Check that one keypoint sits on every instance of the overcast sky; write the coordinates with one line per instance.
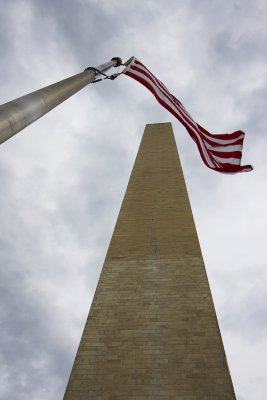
(63, 178)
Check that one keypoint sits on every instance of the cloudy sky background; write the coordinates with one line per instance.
(63, 178)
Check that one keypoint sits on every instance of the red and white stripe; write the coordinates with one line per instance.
(219, 152)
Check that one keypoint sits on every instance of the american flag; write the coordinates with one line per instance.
(222, 152)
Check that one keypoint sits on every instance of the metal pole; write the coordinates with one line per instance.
(19, 113)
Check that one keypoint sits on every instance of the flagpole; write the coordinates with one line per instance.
(21, 112)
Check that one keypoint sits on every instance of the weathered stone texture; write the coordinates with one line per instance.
(152, 332)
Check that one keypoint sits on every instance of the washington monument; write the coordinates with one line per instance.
(152, 331)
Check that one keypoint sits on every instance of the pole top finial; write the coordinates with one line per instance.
(118, 60)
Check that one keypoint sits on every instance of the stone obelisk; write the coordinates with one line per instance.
(152, 331)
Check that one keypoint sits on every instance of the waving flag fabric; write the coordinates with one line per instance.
(221, 153)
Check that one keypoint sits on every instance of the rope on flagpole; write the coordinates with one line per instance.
(98, 72)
